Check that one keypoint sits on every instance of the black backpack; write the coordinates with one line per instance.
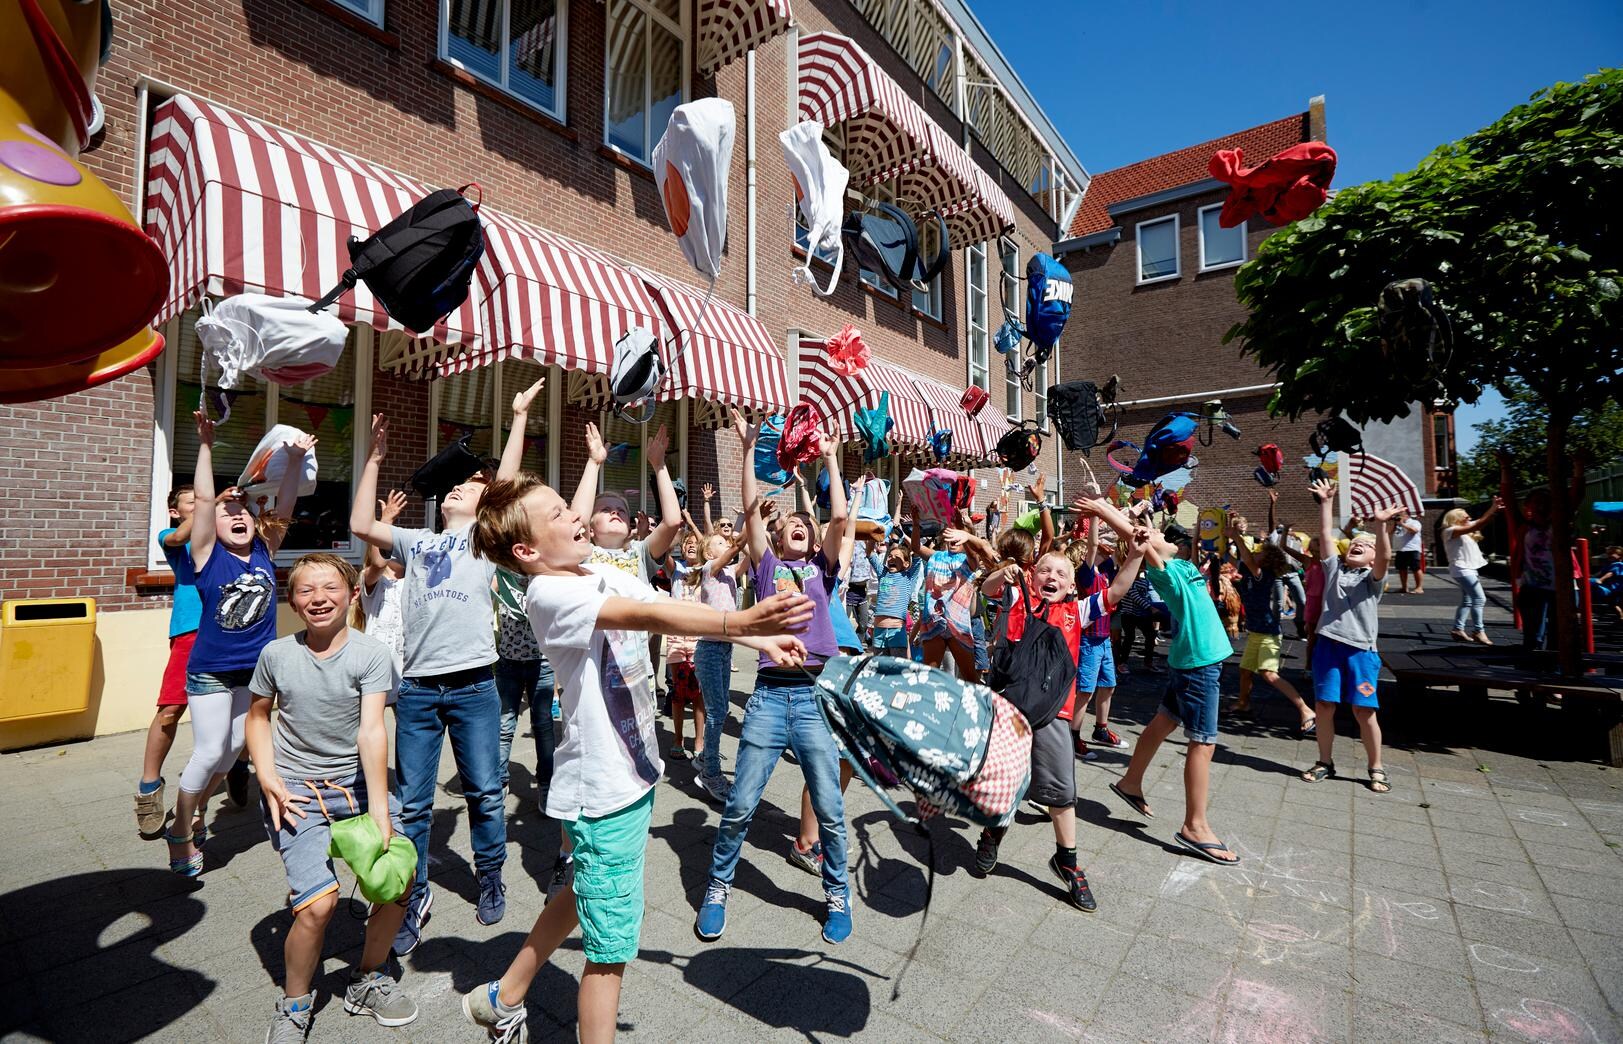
(884, 240)
(1335, 435)
(1079, 411)
(419, 265)
(1037, 673)
(1020, 446)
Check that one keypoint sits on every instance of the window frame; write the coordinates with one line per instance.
(1200, 228)
(649, 501)
(560, 89)
(369, 11)
(1010, 271)
(1177, 251)
(682, 30)
(971, 326)
(501, 408)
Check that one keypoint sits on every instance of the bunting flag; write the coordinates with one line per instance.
(536, 444)
(317, 414)
(343, 418)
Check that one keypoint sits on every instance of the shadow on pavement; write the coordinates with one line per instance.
(781, 993)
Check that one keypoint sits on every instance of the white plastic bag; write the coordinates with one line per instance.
(267, 464)
(820, 183)
(273, 338)
(691, 163)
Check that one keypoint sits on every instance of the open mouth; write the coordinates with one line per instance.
(1050, 589)
(238, 529)
(319, 613)
(580, 536)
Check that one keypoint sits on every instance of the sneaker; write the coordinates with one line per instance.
(712, 919)
(504, 1025)
(492, 898)
(837, 925)
(1076, 884)
(411, 929)
(379, 996)
(563, 875)
(717, 787)
(789, 756)
(1105, 737)
(809, 860)
(236, 784)
(150, 811)
(1079, 746)
(986, 853)
(292, 1022)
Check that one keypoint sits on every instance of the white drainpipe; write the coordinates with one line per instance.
(749, 166)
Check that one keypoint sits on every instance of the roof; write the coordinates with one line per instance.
(1176, 169)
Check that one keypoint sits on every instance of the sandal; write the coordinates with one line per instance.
(1378, 782)
(1320, 771)
(1310, 727)
(185, 866)
(1207, 850)
(1136, 801)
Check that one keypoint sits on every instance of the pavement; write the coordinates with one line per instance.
(1481, 898)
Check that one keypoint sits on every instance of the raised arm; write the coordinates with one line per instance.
(1105, 511)
(388, 510)
(839, 509)
(707, 493)
(670, 510)
(203, 492)
(362, 523)
(754, 524)
(287, 493)
(513, 449)
(1273, 508)
(181, 535)
(1236, 533)
(1324, 491)
(1038, 491)
(1476, 523)
(586, 488)
(781, 614)
(1129, 568)
(1383, 539)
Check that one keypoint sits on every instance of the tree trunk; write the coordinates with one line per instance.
(1568, 639)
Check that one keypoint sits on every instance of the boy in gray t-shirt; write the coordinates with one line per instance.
(325, 756)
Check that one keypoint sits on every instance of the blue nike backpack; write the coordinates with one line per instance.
(1048, 302)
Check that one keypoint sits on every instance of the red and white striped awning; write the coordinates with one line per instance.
(839, 397)
(1375, 483)
(721, 354)
(947, 412)
(239, 205)
(888, 135)
(730, 29)
(993, 425)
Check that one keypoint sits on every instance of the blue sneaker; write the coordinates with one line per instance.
(837, 926)
(712, 919)
(411, 929)
(492, 898)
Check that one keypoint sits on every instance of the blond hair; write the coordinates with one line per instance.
(502, 521)
(1461, 517)
(352, 579)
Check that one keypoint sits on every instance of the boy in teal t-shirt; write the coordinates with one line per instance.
(1195, 668)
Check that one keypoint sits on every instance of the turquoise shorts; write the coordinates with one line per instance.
(609, 856)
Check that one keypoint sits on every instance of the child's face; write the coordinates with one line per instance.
(233, 525)
(611, 521)
(1360, 553)
(321, 598)
(185, 506)
(1054, 579)
(796, 537)
(690, 550)
(896, 561)
(558, 536)
(1537, 508)
(462, 503)
(715, 547)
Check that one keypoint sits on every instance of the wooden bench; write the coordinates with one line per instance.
(1532, 677)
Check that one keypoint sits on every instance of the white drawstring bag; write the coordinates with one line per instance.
(635, 374)
(820, 183)
(277, 339)
(262, 475)
(691, 163)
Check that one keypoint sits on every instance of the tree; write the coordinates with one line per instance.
(1517, 228)
(1522, 433)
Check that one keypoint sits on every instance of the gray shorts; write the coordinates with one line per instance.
(302, 843)
(1053, 765)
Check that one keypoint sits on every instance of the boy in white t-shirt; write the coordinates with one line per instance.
(1408, 558)
(593, 620)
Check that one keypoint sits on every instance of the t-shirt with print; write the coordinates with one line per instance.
(775, 576)
(608, 756)
(318, 702)
(633, 559)
(896, 589)
(515, 638)
(187, 609)
(1200, 639)
(1257, 595)
(1073, 617)
(949, 597)
(239, 609)
(445, 602)
(1352, 599)
(1409, 535)
(1538, 563)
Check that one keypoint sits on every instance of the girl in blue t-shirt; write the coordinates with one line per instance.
(233, 557)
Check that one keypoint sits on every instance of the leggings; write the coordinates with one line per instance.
(218, 719)
(1468, 617)
(1131, 628)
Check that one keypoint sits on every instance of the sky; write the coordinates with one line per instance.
(1138, 78)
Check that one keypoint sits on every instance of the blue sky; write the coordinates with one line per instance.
(1124, 81)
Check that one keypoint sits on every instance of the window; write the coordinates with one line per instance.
(647, 72)
(1441, 444)
(1219, 247)
(1010, 255)
(928, 301)
(625, 472)
(371, 10)
(516, 45)
(1158, 249)
(975, 299)
(884, 194)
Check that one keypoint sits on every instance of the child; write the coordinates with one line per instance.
(380, 588)
(713, 660)
(1409, 556)
(783, 712)
(1195, 659)
(1462, 538)
(1260, 574)
(233, 559)
(1307, 617)
(1053, 768)
(610, 516)
(448, 686)
(326, 758)
(904, 568)
(1607, 588)
(686, 695)
(522, 673)
(1096, 661)
(1346, 667)
(593, 620)
(150, 811)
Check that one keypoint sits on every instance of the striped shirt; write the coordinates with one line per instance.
(896, 589)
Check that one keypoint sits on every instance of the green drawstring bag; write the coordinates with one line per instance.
(1031, 521)
(384, 874)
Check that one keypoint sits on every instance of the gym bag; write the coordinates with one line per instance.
(1168, 448)
(884, 240)
(801, 435)
(974, 399)
(820, 182)
(1283, 188)
(941, 443)
(1020, 446)
(1035, 671)
(453, 465)
(1273, 461)
(847, 354)
(383, 874)
(276, 339)
(822, 495)
(691, 162)
(636, 372)
(419, 265)
(1077, 414)
(931, 494)
(874, 507)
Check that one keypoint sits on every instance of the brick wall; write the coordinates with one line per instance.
(79, 475)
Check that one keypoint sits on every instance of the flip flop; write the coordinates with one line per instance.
(1205, 850)
(1137, 802)
(1308, 728)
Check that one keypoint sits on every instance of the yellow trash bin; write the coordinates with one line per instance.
(47, 652)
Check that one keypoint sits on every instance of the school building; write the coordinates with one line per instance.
(253, 138)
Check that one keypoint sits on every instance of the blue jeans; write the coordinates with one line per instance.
(1191, 697)
(713, 664)
(467, 705)
(779, 716)
(517, 680)
(1468, 617)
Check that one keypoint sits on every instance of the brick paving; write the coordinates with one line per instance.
(1482, 898)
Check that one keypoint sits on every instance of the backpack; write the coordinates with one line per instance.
(885, 241)
(820, 183)
(1048, 304)
(1077, 413)
(419, 265)
(941, 443)
(767, 468)
(454, 464)
(929, 268)
(1412, 322)
(1273, 461)
(822, 495)
(874, 507)
(1335, 435)
(1167, 449)
(873, 428)
(801, 434)
(1020, 446)
(932, 494)
(262, 475)
(276, 339)
(1037, 672)
(635, 373)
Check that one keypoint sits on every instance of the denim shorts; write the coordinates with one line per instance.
(609, 856)
(1096, 668)
(302, 843)
(202, 683)
(890, 638)
(1191, 697)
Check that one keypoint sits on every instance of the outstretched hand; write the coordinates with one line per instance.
(1388, 513)
(380, 437)
(205, 428)
(658, 446)
(747, 433)
(300, 447)
(1322, 490)
(390, 508)
(780, 614)
(596, 452)
(521, 401)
